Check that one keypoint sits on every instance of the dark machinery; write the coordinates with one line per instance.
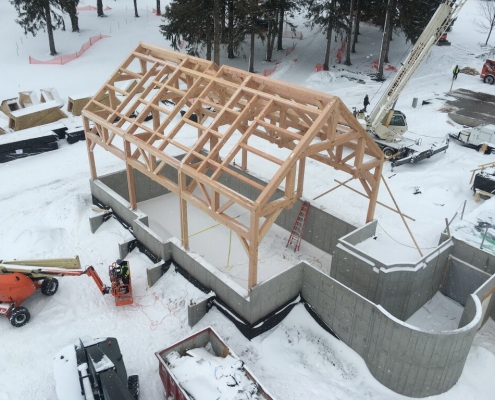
(94, 369)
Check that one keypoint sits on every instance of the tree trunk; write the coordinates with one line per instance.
(222, 21)
(74, 20)
(385, 39)
(269, 42)
(356, 29)
(136, 15)
(251, 55)
(216, 32)
(329, 43)
(230, 46)
(158, 6)
(349, 36)
(99, 8)
(208, 44)
(489, 34)
(281, 16)
(49, 28)
(390, 30)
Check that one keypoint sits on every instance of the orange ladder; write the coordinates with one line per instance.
(298, 229)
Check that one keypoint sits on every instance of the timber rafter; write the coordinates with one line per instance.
(163, 109)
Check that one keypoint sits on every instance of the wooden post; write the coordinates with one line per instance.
(253, 249)
(184, 230)
(374, 193)
(132, 188)
(91, 155)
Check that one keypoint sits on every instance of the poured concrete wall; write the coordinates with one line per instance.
(462, 279)
(472, 255)
(400, 288)
(403, 358)
(322, 229)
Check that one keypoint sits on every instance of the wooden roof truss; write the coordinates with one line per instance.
(232, 114)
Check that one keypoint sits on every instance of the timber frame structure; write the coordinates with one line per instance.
(235, 113)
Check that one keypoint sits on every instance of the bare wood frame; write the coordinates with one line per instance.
(233, 115)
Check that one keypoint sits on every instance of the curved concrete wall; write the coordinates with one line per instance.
(402, 357)
(400, 288)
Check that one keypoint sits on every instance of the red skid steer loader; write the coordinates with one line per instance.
(20, 279)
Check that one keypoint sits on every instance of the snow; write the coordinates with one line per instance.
(45, 203)
(35, 108)
(222, 249)
(438, 314)
(206, 376)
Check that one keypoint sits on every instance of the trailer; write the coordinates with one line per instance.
(182, 364)
(409, 151)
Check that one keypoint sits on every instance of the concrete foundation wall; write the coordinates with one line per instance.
(403, 358)
(400, 288)
(462, 279)
(321, 230)
(472, 255)
(486, 295)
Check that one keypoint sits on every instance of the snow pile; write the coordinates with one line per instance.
(206, 376)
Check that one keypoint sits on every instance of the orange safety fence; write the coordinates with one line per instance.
(268, 72)
(69, 57)
(290, 49)
(388, 67)
(153, 10)
(341, 50)
(90, 8)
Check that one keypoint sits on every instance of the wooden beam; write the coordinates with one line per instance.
(268, 223)
(253, 249)
(362, 194)
(184, 229)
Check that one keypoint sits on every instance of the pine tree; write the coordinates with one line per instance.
(69, 7)
(329, 16)
(191, 21)
(35, 15)
(415, 15)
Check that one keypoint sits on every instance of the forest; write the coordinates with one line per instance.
(214, 24)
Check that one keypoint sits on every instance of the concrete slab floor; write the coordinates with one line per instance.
(221, 248)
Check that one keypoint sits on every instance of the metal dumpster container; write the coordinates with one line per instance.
(202, 338)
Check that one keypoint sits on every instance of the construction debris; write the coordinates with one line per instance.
(469, 71)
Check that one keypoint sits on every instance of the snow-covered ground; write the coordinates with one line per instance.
(45, 203)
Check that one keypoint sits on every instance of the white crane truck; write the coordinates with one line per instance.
(387, 125)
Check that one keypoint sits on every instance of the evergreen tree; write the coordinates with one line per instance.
(35, 15)
(329, 16)
(415, 15)
(69, 7)
(350, 20)
(191, 21)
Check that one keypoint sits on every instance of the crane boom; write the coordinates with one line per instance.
(441, 20)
